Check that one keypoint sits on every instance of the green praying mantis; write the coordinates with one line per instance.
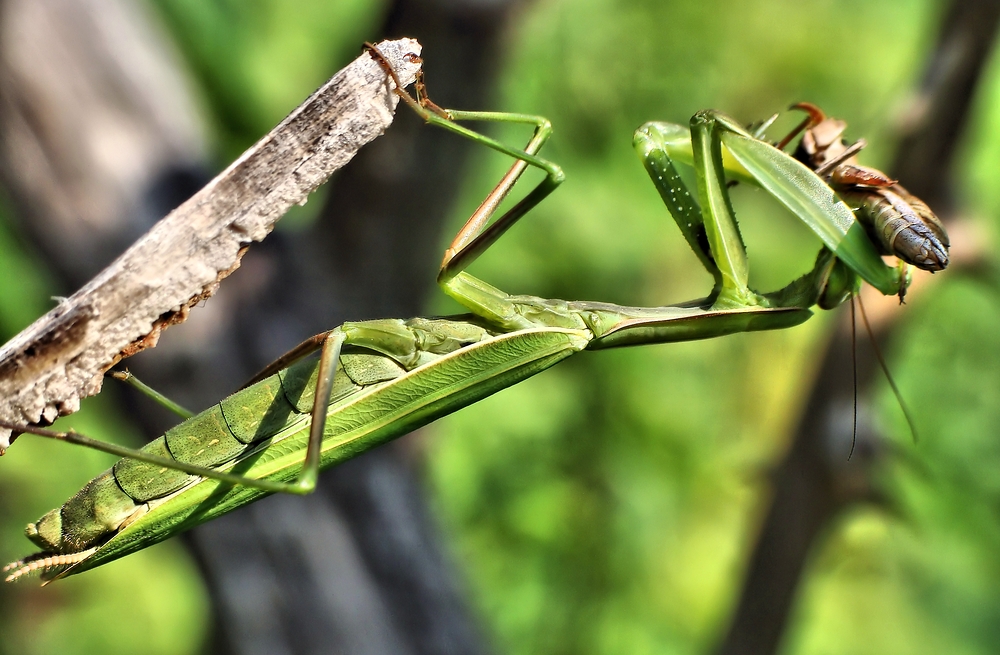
(376, 380)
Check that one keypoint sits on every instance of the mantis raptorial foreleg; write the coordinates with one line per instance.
(806, 195)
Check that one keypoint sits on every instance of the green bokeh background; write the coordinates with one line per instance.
(608, 505)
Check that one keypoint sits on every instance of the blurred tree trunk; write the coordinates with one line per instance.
(100, 139)
(815, 483)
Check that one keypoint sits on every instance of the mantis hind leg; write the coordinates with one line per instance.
(304, 349)
(172, 406)
(305, 482)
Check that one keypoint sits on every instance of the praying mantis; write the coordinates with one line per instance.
(376, 380)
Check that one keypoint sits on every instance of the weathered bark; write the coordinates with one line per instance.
(814, 483)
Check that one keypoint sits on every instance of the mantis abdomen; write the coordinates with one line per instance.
(261, 430)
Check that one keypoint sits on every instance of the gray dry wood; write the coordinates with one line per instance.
(62, 357)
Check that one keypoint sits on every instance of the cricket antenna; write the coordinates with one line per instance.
(885, 369)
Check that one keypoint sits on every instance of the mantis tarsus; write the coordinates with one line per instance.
(376, 380)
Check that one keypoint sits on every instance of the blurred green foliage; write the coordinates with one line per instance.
(608, 505)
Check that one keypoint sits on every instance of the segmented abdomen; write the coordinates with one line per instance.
(902, 225)
(220, 434)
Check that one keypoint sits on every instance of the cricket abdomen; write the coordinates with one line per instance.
(900, 226)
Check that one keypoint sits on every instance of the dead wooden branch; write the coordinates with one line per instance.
(62, 357)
